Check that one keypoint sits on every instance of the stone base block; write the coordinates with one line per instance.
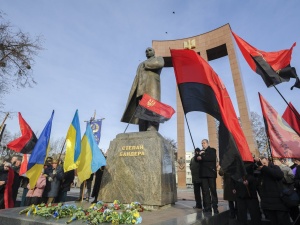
(140, 167)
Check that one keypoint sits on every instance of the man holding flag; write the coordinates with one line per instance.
(201, 89)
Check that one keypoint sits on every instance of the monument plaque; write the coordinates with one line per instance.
(140, 167)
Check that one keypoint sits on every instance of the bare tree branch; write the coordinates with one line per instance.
(17, 53)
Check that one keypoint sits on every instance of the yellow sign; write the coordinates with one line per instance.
(131, 148)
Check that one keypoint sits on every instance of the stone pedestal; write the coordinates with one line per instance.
(140, 167)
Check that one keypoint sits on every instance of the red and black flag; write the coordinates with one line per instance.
(26, 142)
(291, 116)
(273, 67)
(284, 141)
(152, 110)
(201, 89)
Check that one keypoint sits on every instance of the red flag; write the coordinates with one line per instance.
(23, 167)
(291, 116)
(284, 141)
(26, 142)
(273, 67)
(8, 201)
(152, 110)
(201, 89)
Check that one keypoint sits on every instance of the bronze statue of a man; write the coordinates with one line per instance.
(147, 80)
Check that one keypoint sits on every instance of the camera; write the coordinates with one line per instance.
(258, 163)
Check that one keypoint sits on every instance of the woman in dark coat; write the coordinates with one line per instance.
(55, 178)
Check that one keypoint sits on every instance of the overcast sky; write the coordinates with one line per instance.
(92, 50)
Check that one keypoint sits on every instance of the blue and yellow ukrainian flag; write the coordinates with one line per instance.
(73, 145)
(91, 157)
(38, 155)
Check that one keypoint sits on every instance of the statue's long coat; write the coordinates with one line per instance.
(147, 80)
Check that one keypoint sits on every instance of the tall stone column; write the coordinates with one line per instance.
(181, 169)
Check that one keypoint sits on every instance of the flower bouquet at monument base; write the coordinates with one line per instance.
(115, 213)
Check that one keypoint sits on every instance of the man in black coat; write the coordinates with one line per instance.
(65, 185)
(270, 188)
(208, 175)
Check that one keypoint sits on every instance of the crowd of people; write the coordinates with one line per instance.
(52, 185)
(270, 188)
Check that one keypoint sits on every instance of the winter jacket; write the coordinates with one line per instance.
(195, 170)
(55, 178)
(228, 186)
(270, 185)
(248, 191)
(208, 163)
(38, 189)
(67, 180)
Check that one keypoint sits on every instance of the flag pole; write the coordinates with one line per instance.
(189, 130)
(130, 120)
(187, 121)
(1, 135)
(270, 151)
(2, 131)
(4, 121)
(61, 151)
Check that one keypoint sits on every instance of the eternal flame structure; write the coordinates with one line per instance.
(211, 45)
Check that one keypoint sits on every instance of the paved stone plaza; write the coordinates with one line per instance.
(181, 212)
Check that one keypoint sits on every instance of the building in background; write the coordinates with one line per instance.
(188, 156)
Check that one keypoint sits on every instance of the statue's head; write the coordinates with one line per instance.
(150, 52)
